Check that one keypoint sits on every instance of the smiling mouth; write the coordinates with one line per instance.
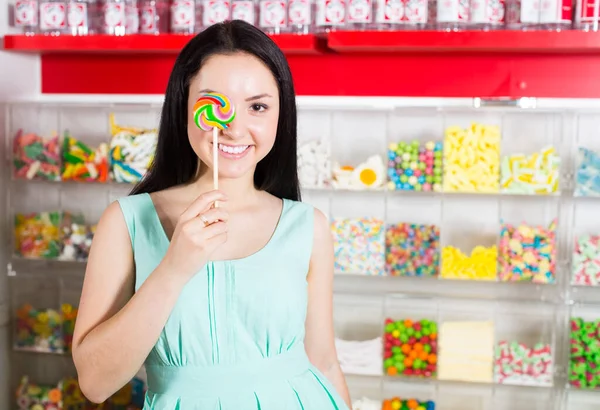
(233, 149)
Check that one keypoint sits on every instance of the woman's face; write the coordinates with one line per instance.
(253, 91)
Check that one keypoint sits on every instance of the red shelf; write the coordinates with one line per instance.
(513, 42)
(139, 44)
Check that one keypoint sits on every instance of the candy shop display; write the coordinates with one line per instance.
(466, 351)
(365, 403)
(587, 175)
(472, 159)
(359, 245)
(39, 330)
(76, 238)
(518, 364)
(586, 261)
(360, 357)
(415, 167)
(535, 174)
(367, 175)
(410, 347)
(397, 403)
(36, 157)
(31, 396)
(314, 164)
(527, 253)
(38, 235)
(584, 369)
(131, 152)
(412, 250)
(480, 265)
(82, 163)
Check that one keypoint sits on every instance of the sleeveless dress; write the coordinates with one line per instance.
(235, 338)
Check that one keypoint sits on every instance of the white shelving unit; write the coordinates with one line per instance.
(356, 129)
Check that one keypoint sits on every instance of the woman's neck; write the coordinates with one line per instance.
(239, 191)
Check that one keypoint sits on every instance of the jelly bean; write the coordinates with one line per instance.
(586, 261)
(314, 165)
(472, 159)
(38, 235)
(360, 357)
(587, 176)
(131, 152)
(415, 167)
(405, 342)
(481, 265)
(359, 246)
(397, 403)
(35, 157)
(466, 351)
(584, 372)
(536, 174)
(39, 330)
(518, 364)
(412, 250)
(527, 253)
(82, 163)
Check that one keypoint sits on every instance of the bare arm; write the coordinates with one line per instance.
(320, 339)
(116, 329)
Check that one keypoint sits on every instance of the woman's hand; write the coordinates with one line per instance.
(200, 230)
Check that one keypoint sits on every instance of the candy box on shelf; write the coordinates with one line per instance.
(369, 174)
(397, 403)
(36, 157)
(314, 164)
(39, 330)
(584, 368)
(410, 337)
(412, 250)
(472, 159)
(359, 245)
(131, 152)
(31, 396)
(76, 237)
(586, 260)
(37, 235)
(535, 174)
(415, 166)
(83, 163)
(587, 173)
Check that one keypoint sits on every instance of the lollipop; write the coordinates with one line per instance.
(214, 111)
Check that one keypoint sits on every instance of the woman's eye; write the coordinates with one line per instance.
(258, 107)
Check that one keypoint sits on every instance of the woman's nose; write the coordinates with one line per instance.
(236, 129)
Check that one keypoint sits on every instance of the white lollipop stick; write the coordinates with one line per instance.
(216, 160)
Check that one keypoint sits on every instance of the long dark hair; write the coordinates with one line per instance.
(175, 162)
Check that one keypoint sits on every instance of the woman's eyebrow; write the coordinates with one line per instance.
(258, 97)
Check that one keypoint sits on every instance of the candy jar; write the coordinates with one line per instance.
(452, 15)
(359, 14)
(487, 14)
(81, 17)
(53, 17)
(300, 16)
(26, 16)
(113, 17)
(331, 15)
(244, 10)
(132, 17)
(154, 17)
(587, 15)
(215, 11)
(272, 15)
(183, 16)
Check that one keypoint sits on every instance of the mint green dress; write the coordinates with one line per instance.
(235, 339)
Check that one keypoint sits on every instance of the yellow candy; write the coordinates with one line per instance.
(481, 265)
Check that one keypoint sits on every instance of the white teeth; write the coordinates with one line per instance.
(237, 149)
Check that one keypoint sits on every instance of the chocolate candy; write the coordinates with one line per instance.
(410, 347)
(480, 265)
(82, 163)
(412, 250)
(584, 369)
(586, 261)
(587, 176)
(415, 167)
(518, 364)
(35, 157)
(38, 235)
(527, 253)
(359, 246)
(536, 174)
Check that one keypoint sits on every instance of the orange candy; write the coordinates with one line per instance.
(432, 359)
(418, 346)
(433, 336)
(423, 355)
(405, 348)
(392, 371)
(412, 404)
(408, 323)
(413, 354)
(408, 362)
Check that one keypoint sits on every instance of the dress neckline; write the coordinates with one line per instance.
(166, 241)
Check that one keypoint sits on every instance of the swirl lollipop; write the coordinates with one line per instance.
(214, 111)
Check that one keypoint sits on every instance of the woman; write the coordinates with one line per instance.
(228, 307)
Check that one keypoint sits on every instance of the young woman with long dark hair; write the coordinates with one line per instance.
(228, 307)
